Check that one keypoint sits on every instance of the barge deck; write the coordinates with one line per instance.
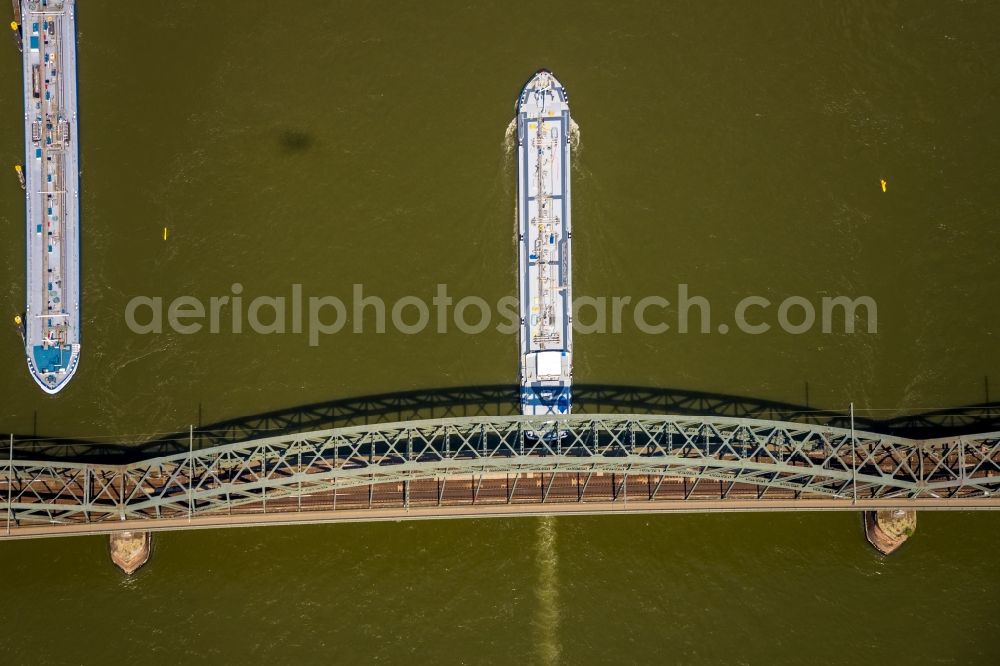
(52, 192)
(544, 232)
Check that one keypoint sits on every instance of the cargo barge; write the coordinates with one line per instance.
(544, 233)
(52, 192)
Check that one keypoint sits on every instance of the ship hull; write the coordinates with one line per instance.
(544, 234)
(52, 192)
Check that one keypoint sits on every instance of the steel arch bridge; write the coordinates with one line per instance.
(502, 466)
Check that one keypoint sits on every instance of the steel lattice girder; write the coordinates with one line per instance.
(498, 400)
(818, 461)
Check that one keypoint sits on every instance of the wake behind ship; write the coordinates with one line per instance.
(543, 205)
(52, 316)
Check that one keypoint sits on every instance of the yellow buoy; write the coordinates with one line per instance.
(883, 184)
(17, 319)
(13, 26)
(17, 168)
(164, 233)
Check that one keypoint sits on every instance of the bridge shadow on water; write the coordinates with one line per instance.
(498, 400)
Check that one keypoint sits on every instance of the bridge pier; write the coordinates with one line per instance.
(130, 550)
(888, 530)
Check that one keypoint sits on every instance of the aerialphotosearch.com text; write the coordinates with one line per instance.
(317, 317)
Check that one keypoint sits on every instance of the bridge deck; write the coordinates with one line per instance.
(493, 466)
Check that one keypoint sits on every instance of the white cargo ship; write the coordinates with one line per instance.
(52, 192)
(544, 232)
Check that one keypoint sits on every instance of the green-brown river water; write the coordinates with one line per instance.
(737, 148)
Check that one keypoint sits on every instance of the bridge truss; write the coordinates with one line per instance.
(507, 461)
